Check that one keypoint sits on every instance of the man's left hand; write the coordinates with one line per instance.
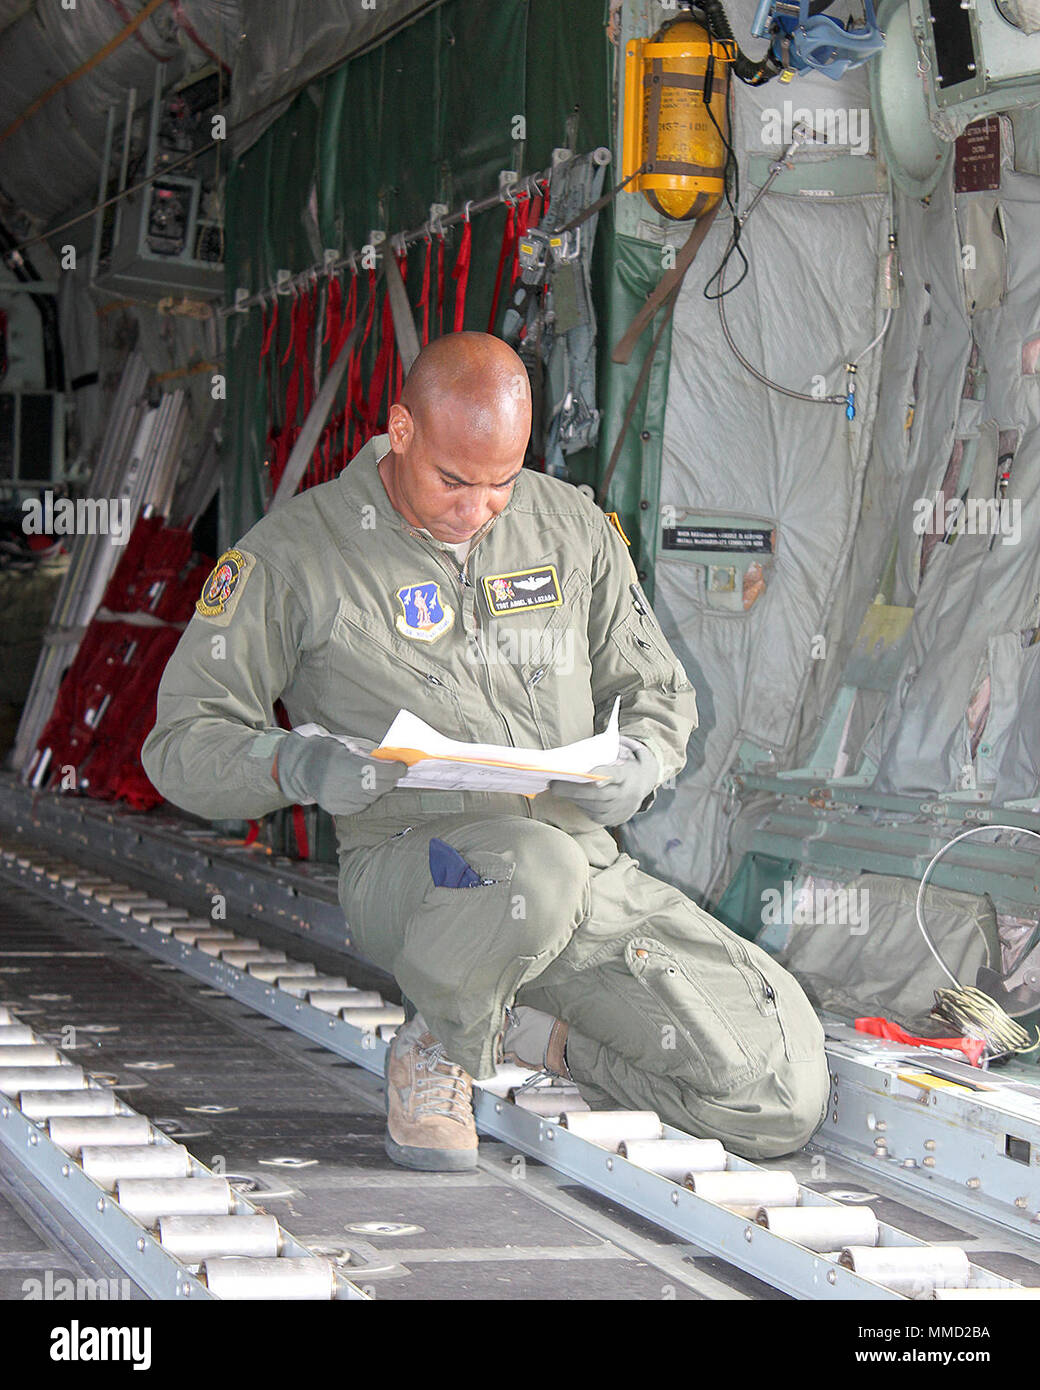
(632, 778)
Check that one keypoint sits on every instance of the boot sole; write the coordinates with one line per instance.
(423, 1160)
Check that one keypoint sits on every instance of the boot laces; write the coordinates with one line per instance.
(444, 1085)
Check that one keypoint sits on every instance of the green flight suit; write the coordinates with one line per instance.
(336, 604)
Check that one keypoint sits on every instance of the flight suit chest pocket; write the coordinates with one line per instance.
(367, 664)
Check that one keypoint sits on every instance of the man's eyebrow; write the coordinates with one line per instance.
(454, 478)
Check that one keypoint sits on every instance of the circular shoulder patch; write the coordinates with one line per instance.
(218, 589)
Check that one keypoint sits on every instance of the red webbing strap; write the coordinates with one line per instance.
(440, 284)
(252, 835)
(460, 274)
(424, 296)
(356, 395)
(508, 238)
(333, 308)
(268, 329)
(310, 314)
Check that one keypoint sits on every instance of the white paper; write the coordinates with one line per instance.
(456, 766)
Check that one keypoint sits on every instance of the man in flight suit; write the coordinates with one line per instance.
(437, 575)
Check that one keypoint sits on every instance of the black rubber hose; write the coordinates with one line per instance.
(747, 69)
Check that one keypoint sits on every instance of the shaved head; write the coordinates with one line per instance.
(473, 378)
(458, 435)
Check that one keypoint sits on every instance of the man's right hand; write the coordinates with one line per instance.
(322, 770)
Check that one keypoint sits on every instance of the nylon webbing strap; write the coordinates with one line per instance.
(307, 439)
(669, 281)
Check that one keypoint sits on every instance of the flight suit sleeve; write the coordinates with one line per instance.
(631, 658)
(215, 735)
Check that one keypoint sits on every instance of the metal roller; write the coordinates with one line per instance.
(148, 1199)
(169, 913)
(758, 1187)
(197, 1238)
(30, 1055)
(15, 1033)
(94, 888)
(914, 1270)
(549, 1101)
(190, 934)
(165, 922)
(240, 958)
(332, 1000)
(306, 1277)
(674, 1158)
(72, 1132)
(6, 1016)
(213, 946)
(370, 1019)
(299, 988)
(107, 1164)
(124, 906)
(112, 890)
(41, 1105)
(16, 1079)
(822, 1228)
(609, 1128)
(269, 973)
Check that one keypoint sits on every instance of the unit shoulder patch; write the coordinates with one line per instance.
(223, 588)
(521, 589)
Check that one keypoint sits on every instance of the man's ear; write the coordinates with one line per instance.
(400, 426)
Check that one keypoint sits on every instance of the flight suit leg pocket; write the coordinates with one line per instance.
(457, 962)
(700, 1013)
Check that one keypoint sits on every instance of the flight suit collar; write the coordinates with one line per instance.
(362, 476)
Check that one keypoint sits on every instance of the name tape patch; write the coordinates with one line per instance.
(521, 589)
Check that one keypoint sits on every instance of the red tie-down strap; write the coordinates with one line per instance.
(526, 214)
(268, 329)
(972, 1048)
(460, 274)
(508, 240)
(424, 294)
(333, 309)
(349, 320)
(440, 284)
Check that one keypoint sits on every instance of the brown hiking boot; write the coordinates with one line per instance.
(429, 1104)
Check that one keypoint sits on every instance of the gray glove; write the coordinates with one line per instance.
(323, 770)
(632, 779)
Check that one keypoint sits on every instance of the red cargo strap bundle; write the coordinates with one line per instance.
(424, 296)
(106, 702)
(460, 273)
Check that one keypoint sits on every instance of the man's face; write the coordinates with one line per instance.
(446, 482)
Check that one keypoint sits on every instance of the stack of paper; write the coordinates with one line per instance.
(449, 765)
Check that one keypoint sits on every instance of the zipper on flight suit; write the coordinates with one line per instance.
(461, 576)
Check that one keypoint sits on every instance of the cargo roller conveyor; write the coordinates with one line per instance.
(727, 1212)
(177, 1229)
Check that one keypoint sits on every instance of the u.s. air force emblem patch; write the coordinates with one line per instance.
(425, 617)
(221, 590)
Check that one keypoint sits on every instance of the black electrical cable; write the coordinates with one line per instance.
(730, 185)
